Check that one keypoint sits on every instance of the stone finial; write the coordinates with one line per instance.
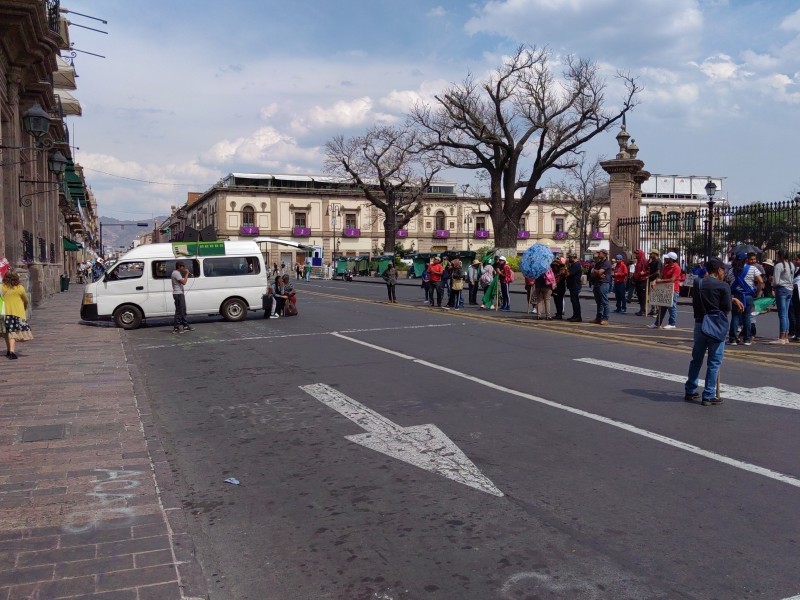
(633, 149)
(622, 139)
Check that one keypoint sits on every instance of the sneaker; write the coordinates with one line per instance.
(187, 328)
(779, 341)
(794, 339)
(668, 327)
(691, 397)
(732, 343)
(274, 316)
(505, 309)
(445, 307)
(653, 326)
(174, 331)
(748, 343)
(604, 322)
(711, 401)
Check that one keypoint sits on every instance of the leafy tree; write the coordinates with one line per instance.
(519, 123)
(390, 168)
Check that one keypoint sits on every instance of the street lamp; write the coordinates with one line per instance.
(468, 224)
(333, 210)
(56, 164)
(123, 225)
(710, 188)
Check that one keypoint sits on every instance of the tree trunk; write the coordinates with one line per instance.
(505, 232)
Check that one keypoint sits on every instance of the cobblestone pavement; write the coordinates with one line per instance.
(81, 514)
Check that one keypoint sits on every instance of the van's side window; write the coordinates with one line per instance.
(126, 270)
(162, 269)
(225, 266)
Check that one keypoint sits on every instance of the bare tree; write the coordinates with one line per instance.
(390, 168)
(583, 195)
(519, 123)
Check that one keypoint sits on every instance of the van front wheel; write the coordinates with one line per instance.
(234, 309)
(128, 317)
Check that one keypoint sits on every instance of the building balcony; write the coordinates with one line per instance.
(351, 232)
(523, 235)
(401, 233)
(301, 232)
(481, 234)
(248, 230)
(441, 234)
(560, 235)
(598, 235)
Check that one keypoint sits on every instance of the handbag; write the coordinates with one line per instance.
(715, 322)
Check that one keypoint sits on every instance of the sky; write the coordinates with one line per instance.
(190, 91)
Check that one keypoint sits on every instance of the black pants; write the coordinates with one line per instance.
(794, 314)
(436, 288)
(505, 295)
(558, 299)
(575, 300)
(641, 289)
(180, 311)
(390, 289)
(473, 293)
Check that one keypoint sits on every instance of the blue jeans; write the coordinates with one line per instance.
(673, 311)
(783, 298)
(600, 291)
(739, 318)
(703, 344)
(619, 295)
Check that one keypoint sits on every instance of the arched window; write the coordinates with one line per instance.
(440, 224)
(673, 221)
(690, 221)
(595, 222)
(655, 221)
(248, 216)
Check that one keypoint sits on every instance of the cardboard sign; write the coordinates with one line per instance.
(661, 294)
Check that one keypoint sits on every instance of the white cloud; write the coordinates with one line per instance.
(792, 22)
(437, 11)
(402, 101)
(264, 146)
(269, 110)
(721, 68)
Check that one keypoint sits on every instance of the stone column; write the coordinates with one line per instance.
(626, 175)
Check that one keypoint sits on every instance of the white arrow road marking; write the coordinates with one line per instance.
(762, 395)
(424, 446)
(739, 464)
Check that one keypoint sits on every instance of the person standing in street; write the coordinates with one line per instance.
(600, 276)
(390, 277)
(620, 282)
(654, 267)
(179, 278)
(435, 271)
(670, 273)
(505, 276)
(783, 283)
(746, 285)
(574, 284)
(709, 294)
(559, 291)
(298, 272)
(14, 324)
(474, 272)
(641, 273)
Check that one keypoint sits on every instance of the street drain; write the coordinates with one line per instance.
(41, 433)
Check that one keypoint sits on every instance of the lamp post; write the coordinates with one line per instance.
(57, 164)
(468, 224)
(710, 188)
(123, 225)
(333, 211)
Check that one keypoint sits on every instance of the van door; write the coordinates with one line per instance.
(161, 280)
(124, 283)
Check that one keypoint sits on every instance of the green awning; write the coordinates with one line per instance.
(71, 245)
(74, 184)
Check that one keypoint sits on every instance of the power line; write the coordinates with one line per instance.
(145, 180)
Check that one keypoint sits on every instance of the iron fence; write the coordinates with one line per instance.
(767, 226)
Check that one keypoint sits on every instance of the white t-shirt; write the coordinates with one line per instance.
(177, 279)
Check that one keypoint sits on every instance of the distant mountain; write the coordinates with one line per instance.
(120, 233)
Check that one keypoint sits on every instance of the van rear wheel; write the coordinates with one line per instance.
(234, 309)
(128, 317)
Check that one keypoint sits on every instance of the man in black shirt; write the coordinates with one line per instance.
(654, 266)
(574, 283)
(709, 294)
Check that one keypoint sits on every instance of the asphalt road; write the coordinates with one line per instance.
(583, 480)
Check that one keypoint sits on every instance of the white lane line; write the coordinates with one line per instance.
(762, 395)
(745, 466)
(190, 342)
(424, 446)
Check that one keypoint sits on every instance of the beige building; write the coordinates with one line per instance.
(47, 215)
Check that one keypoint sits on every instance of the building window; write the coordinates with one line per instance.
(300, 219)
(480, 223)
(558, 223)
(42, 250)
(521, 225)
(439, 222)
(52, 253)
(690, 221)
(655, 221)
(350, 221)
(673, 221)
(248, 216)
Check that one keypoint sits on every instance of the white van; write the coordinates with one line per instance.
(226, 278)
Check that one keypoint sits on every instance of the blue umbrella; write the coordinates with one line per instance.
(536, 260)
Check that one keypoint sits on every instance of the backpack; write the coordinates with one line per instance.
(549, 278)
(486, 279)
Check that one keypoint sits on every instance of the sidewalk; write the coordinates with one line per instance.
(81, 515)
